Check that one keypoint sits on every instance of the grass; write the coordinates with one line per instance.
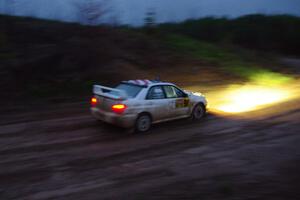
(198, 49)
(229, 60)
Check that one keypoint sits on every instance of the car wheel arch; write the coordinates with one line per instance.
(198, 103)
(145, 113)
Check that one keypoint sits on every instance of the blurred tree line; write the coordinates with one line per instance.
(280, 33)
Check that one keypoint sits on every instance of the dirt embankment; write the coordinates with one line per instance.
(46, 61)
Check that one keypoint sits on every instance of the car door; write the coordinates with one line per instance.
(157, 103)
(179, 100)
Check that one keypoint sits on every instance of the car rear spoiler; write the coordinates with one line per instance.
(109, 92)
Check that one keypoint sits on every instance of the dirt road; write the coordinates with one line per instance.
(63, 153)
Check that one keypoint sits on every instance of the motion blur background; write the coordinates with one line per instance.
(42, 58)
(133, 11)
(243, 55)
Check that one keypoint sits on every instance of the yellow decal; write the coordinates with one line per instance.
(181, 103)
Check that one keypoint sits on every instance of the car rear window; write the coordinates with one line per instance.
(131, 90)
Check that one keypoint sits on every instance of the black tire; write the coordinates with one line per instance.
(143, 123)
(199, 112)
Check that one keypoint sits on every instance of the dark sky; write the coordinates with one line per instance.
(133, 11)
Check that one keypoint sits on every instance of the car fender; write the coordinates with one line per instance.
(196, 99)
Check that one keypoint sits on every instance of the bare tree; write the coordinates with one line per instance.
(91, 12)
(150, 19)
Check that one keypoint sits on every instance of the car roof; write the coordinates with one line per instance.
(146, 82)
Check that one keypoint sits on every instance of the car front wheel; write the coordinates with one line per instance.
(198, 112)
(143, 123)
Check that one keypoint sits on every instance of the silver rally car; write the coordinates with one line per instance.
(139, 103)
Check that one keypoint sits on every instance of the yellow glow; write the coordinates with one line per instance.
(263, 90)
(250, 97)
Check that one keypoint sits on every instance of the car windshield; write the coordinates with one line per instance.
(131, 90)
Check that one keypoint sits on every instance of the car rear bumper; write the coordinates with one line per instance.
(125, 121)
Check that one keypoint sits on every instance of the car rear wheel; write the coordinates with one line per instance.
(143, 123)
(198, 112)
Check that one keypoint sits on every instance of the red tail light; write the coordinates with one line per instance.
(94, 101)
(119, 108)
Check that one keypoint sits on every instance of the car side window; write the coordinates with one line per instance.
(170, 92)
(180, 93)
(173, 92)
(156, 92)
